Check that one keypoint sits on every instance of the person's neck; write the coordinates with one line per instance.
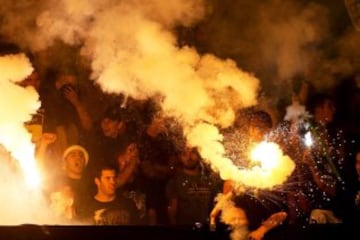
(192, 172)
(104, 197)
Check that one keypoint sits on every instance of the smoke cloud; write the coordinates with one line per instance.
(283, 41)
(133, 50)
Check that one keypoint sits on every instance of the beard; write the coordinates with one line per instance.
(191, 165)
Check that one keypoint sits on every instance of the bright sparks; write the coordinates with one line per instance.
(267, 155)
(271, 166)
(274, 169)
(308, 140)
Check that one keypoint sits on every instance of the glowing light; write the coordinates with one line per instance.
(17, 105)
(308, 140)
(267, 155)
(274, 170)
(28, 166)
(271, 167)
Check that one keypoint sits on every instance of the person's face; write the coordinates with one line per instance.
(106, 184)
(75, 162)
(328, 111)
(112, 128)
(158, 126)
(256, 133)
(65, 79)
(190, 158)
(325, 112)
(357, 165)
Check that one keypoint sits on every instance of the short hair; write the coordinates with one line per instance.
(97, 172)
(114, 112)
(151, 109)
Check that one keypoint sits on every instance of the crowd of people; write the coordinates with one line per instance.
(132, 165)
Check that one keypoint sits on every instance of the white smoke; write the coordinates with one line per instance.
(133, 50)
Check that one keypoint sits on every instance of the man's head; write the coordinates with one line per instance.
(62, 79)
(105, 180)
(260, 123)
(75, 159)
(155, 123)
(323, 108)
(190, 158)
(113, 122)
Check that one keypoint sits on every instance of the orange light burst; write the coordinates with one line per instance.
(269, 167)
(267, 154)
(274, 168)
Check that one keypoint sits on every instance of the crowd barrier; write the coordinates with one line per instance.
(67, 232)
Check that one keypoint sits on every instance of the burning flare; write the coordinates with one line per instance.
(17, 105)
(274, 167)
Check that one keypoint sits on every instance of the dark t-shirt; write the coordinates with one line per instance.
(195, 195)
(348, 203)
(121, 211)
(82, 189)
(136, 191)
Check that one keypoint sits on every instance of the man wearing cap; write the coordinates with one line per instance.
(74, 161)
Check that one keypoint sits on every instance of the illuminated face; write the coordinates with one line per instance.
(257, 134)
(106, 184)
(190, 158)
(75, 162)
(65, 79)
(328, 111)
(157, 126)
(112, 128)
(357, 165)
(325, 113)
